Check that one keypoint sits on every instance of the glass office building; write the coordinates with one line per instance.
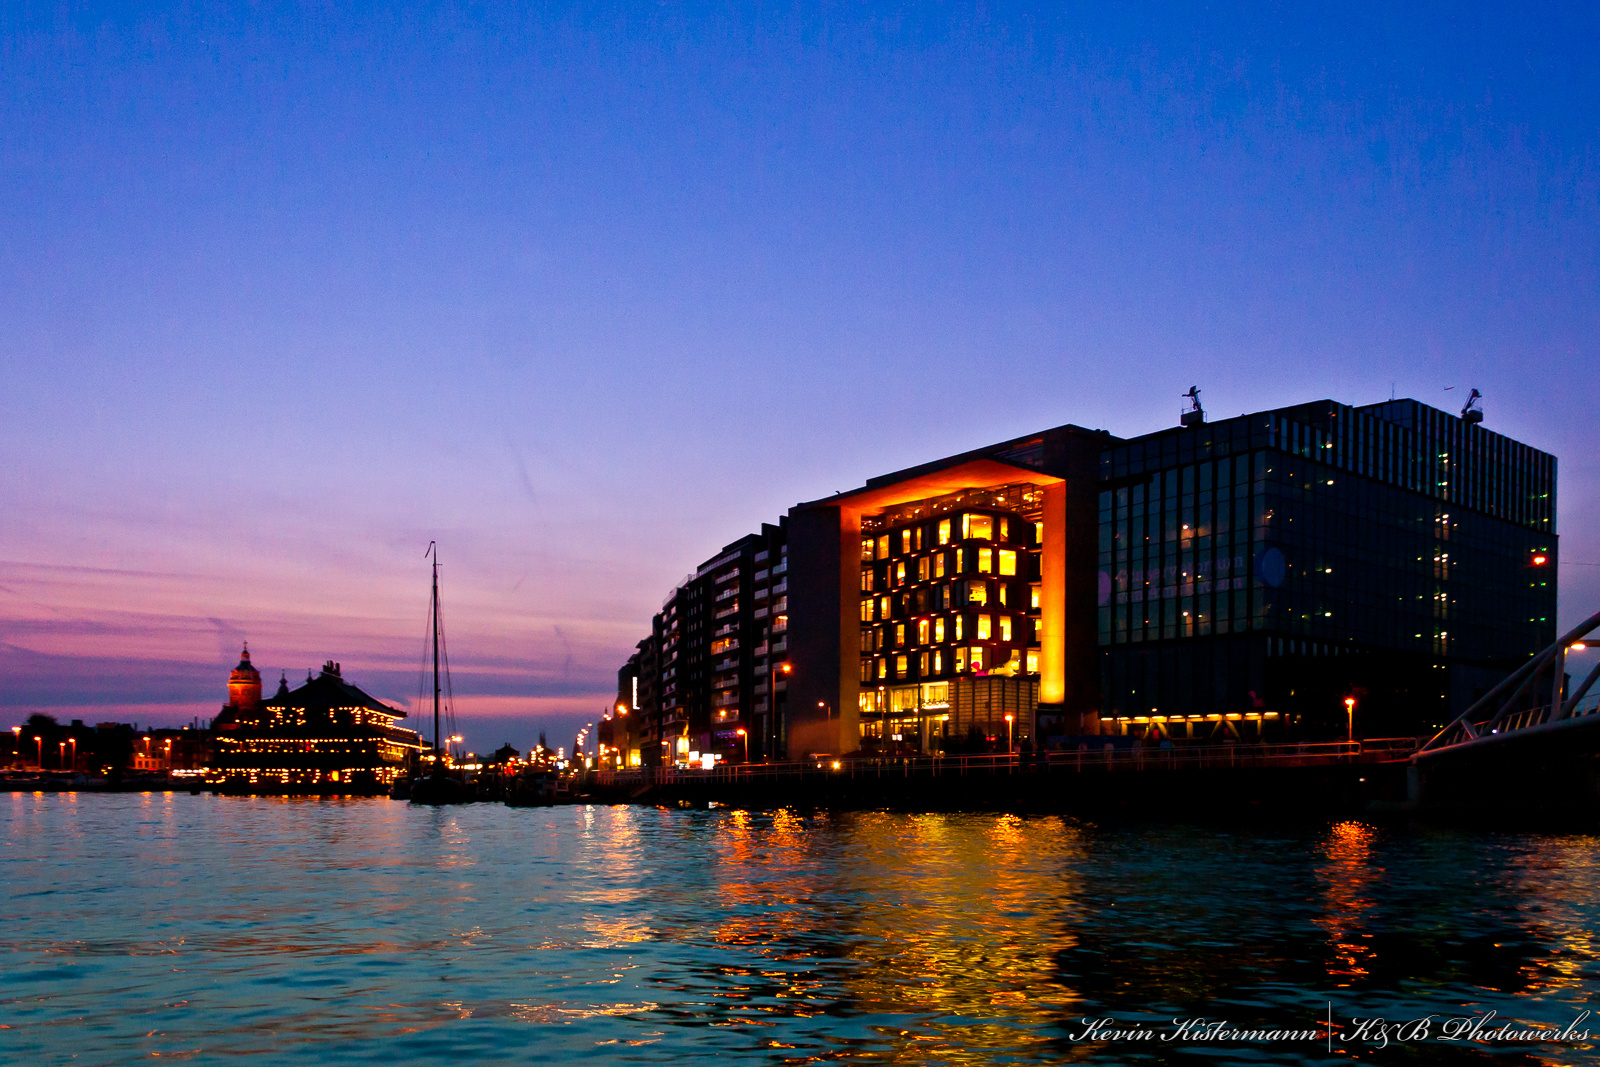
(1257, 571)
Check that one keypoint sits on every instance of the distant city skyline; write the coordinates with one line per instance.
(586, 293)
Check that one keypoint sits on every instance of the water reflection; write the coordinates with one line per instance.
(1348, 877)
(211, 927)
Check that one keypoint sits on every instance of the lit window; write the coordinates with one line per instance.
(1005, 529)
(1005, 627)
(1033, 663)
(905, 541)
(899, 635)
(866, 579)
(866, 670)
(983, 627)
(883, 608)
(1008, 561)
(883, 668)
(919, 539)
(901, 663)
(938, 662)
(975, 658)
(938, 565)
(866, 610)
(961, 660)
(1033, 600)
(985, 561)
(922, 631)
(866, 548)
(959, 627)
(866, 640)
(922, 664)
(977, 592)
(980, 526)
(944, 531)
(900, 573)
(1003, 588)
(938, 630)
(883, 547)
(961, 561)
(922, 569)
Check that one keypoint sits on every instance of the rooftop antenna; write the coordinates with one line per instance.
(1472, 413)
(1196, 414)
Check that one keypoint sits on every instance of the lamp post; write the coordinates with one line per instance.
(1350, 715)
(1009, 718)
(772, 697)
(38, 740)
(73, 741)
(745, 737)
(624, 748)
(16, 746)
(61, 755)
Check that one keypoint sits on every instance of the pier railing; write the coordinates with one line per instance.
(1109, 757)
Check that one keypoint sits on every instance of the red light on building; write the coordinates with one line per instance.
(1540, 559)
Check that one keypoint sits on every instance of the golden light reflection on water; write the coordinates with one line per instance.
(945, 926)
(1347, 878)
(216, 927)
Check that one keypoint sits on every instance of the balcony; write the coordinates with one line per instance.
(726, 700)
(781, 568)
(726, 593)
(731, 609)
(781, 587)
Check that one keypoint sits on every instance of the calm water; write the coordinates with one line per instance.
(326, 931)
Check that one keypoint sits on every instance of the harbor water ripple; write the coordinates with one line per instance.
(208, 928)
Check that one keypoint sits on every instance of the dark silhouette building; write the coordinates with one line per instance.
(324, 737)
(1236, 579)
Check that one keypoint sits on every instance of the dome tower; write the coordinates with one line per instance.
(244, 685)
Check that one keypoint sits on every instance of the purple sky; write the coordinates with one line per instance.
(287, 291)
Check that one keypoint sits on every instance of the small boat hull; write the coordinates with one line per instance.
(440, 790)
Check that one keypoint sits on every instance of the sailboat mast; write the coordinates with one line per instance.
(437, 748)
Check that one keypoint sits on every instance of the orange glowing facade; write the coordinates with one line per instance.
(1209, 581)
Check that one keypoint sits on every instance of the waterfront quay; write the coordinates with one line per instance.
(1313, 778)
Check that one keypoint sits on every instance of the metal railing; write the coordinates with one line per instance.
(1109, 757)
(1531, 698)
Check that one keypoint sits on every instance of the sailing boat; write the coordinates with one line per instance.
(439, 786)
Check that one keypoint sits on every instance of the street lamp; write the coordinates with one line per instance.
(1350, 714)
(40, 742)
(73, 741)
(16, 745)
(746, 739)
(1009, 717)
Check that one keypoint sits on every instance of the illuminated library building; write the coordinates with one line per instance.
(325, 736)
(1237, 579)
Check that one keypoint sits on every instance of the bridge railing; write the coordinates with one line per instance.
(1109, 757)
(1519, 703)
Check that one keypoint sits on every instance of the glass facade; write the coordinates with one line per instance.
(949, 592)
(1281, 561)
